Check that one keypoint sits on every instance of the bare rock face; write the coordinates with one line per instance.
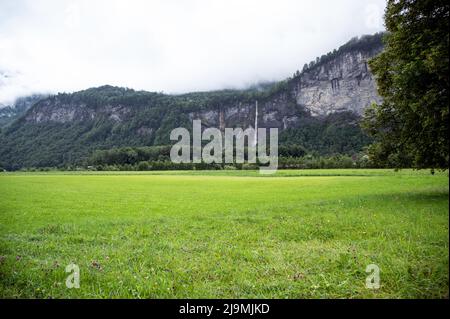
(52, 110)
(344, 84)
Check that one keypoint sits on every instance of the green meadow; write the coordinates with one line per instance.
(225, 234)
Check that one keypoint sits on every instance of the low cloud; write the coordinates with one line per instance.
(172, 46)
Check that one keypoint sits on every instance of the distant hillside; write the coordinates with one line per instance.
(9, 113)
(317, 108)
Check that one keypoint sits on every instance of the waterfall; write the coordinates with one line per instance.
(255, 142)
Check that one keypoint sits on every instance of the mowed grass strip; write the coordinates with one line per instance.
(194, 235)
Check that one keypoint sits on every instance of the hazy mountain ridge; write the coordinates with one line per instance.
(9, 113)
(66, 128)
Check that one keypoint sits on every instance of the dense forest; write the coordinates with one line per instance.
(158, 158)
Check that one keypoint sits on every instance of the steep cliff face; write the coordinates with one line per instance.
(343, 84)
(55, 111)
(67, 127)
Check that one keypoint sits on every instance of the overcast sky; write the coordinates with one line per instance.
(170, 45)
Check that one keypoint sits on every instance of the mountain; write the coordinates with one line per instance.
(9, 113)
(318, 108)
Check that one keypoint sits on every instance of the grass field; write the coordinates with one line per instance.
(225, 234)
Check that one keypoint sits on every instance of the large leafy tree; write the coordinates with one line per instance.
(410, 127)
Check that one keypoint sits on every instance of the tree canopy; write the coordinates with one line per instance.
(410, 127)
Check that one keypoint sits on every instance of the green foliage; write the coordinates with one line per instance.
(337, 133)
(129, 155)
(411, 126)
(158, 158)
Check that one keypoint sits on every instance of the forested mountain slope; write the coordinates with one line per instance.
(317, 108)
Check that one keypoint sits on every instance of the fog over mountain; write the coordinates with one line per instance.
(172, 46)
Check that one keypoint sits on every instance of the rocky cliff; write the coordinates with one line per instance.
(340, 82)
